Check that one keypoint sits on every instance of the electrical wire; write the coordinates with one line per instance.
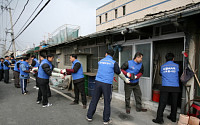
(33, 19)
(15, 7)
(21, 13)
(31, 15)
(8, 3)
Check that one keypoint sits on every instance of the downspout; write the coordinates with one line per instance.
(186, 47)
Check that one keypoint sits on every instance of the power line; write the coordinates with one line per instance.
(21, 13)
(9, 3)
(6, 5)
(31, 15)
(9, 47)
(33, 19)
(15, 7)
(19, 47)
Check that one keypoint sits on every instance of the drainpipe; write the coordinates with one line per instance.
(183, 102)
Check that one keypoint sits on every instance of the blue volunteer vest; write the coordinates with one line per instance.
(134, 67)
(37, 63)
(15, 68)
(5, 67)
(41, 73)
(1, 67)
(105, 71)
(79, 73)
(25, 74)
(13, 60)
(169, 72)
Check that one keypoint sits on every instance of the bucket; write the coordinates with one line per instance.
(156, 95)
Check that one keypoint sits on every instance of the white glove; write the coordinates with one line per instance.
(127, 80)
(122, 76)
(63, 71)
(129, 74)
(56, 70)
(34, 69)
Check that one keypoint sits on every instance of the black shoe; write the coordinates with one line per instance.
(17, 86)
(169, 117)
(84, 106)
(141, 110)
(158, 121)
(38, 102)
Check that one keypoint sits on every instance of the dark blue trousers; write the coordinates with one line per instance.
(106, 90)
(23, 85)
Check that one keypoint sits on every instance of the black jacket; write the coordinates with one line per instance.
(48, 71)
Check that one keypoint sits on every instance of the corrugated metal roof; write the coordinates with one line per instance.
(148, 20)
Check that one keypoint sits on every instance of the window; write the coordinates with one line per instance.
(106, 17)
(167, 29)
(67, 62)
(115, 13)
(145, 49)
(102, 51)
(87, 50)
(99, 19)
(94, 51)
(126, 54)
(124, 10)
(67, 53)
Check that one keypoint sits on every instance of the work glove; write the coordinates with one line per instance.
(63, 71)
(35, 69)
(131, 76)
(122, 76)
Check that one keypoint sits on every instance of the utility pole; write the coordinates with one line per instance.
(12, 33)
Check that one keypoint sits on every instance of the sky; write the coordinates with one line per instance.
(54, 15)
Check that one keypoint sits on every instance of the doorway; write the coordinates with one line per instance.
(160, 49)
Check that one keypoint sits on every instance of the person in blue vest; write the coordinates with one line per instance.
(17, 73)
(44, 72)
(35, 63)
(1, 68)
(24, 74)
(170, 88)
(104, 79)
(13, 62)
(78, 80)
(133, 69)
(6, 69)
